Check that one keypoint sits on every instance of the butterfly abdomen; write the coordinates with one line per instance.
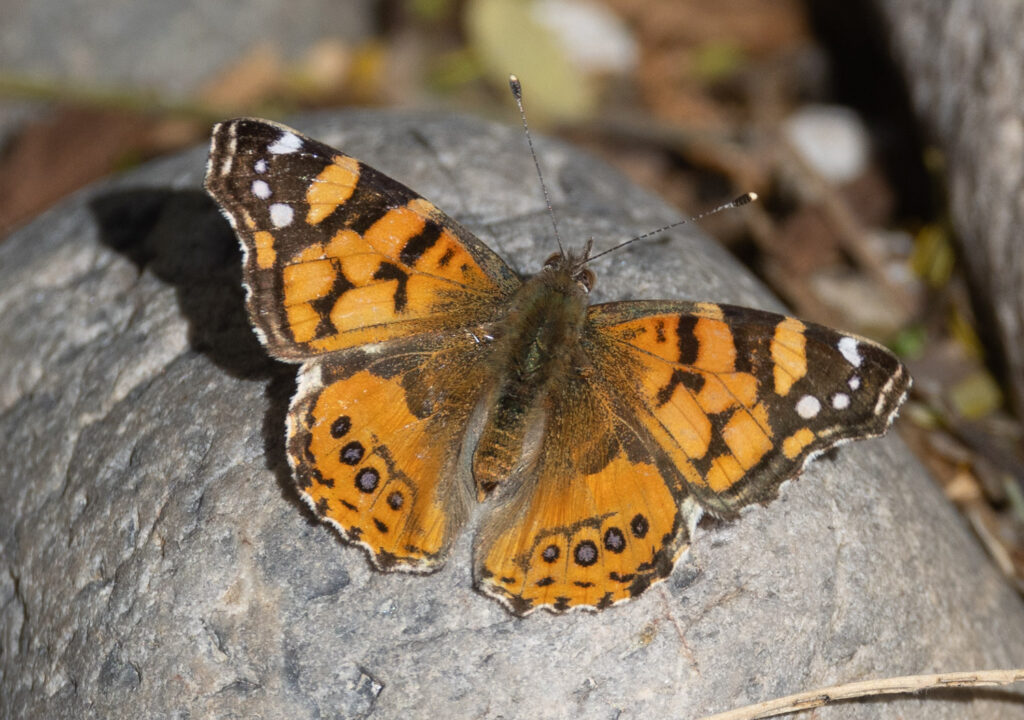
(538, 345)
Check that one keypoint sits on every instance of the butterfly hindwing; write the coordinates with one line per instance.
(601, 515)
(339, 255)
(374, 441)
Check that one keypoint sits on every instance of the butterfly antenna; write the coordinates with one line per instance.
(517, 93)
(738, 202)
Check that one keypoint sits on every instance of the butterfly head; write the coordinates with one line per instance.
(573, 265)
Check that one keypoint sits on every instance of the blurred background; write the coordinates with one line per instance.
(697, 100)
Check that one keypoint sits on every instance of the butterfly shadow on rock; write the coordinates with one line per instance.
(182, 239)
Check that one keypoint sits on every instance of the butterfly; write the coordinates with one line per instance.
(434, 379)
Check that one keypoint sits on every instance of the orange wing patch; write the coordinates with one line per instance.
(331, 188)
(789, 353)
(696, 403)
(356, 289)
(793, 445)
(599, 517)
(360, 467)
(265, 253)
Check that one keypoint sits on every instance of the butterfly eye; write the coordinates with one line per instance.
(553, 260)
(586, 278)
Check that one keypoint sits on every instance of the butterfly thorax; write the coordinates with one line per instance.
(536, 345)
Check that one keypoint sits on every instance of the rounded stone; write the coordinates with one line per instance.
(157, 559)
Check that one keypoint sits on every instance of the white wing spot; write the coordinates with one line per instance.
(840, 401)
(260, 166)
(281, 215)
(287, 143)
(260, 189)
(854, 382)
(808, 406)
(850, 350)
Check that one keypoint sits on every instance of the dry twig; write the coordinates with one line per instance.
(867, 688)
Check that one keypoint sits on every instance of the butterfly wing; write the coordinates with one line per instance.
(374, 442)
(383, 299)
(741, 399)
(339, 255)
(685, 407)
(601, 515)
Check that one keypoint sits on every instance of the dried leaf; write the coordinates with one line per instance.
(508, 39)
(976, 395)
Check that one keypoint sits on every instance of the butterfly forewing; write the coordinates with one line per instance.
(742, 398)
(338, 255)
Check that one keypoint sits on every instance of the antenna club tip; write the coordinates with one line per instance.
(744, 199)
(517, 88)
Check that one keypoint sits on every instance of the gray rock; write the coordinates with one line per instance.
(158, 563)
(962, 61)
(172, 47)
(168, 49)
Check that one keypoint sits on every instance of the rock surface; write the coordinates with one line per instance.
(170, 47)
(962, 63)
(156, 561)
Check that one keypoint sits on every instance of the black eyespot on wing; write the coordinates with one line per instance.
(352, 453)
(367, 480)
(585, 553)
(341, 426)
(614, 540)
